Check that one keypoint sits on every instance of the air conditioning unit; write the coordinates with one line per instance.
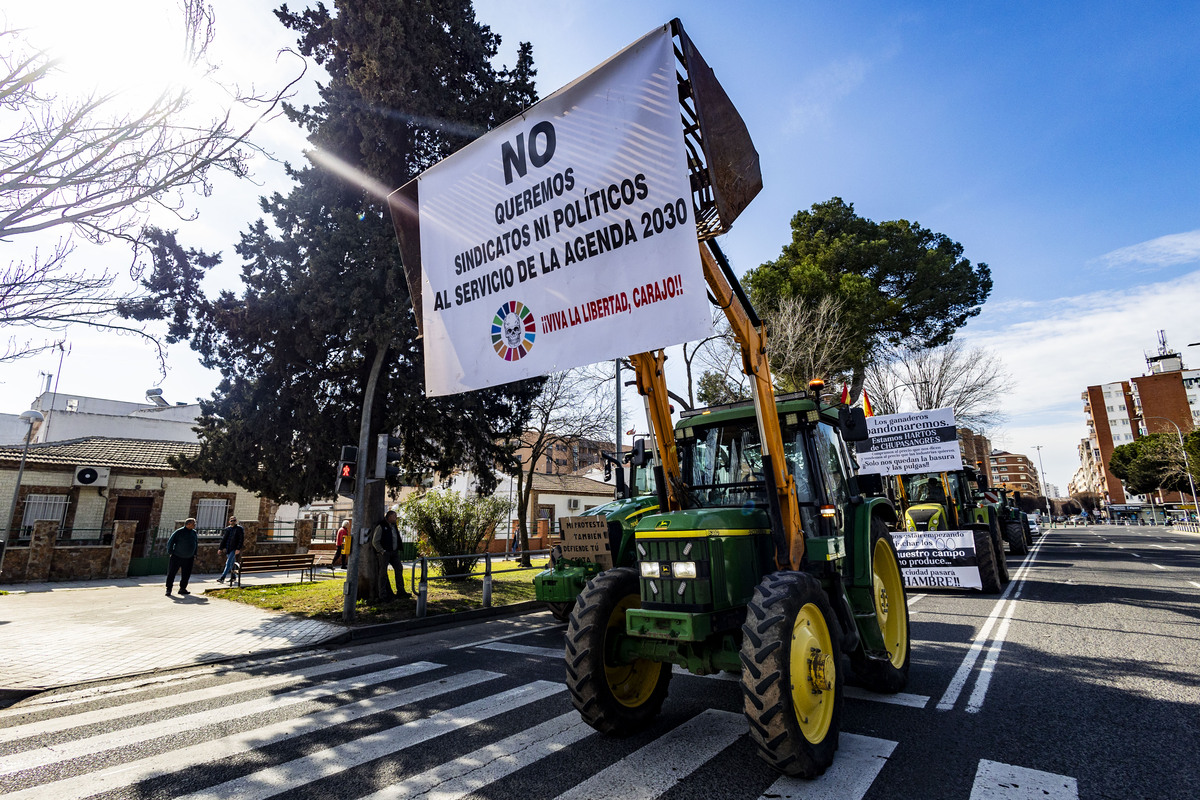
(573, 504)
(91, 476)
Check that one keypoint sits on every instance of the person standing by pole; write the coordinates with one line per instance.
(341, 555)
(385, 538)
(232, 540)
(181, 548)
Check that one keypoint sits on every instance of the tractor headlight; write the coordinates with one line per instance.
(649, 569)
(684, 569)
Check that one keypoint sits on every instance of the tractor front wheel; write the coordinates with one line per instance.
(791, 681)
(1014, 532)
(561, 611)
(985, 556)
(886, 672)
(613, 696)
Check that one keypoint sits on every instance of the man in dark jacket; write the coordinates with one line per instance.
(231, 543)
(181, 548)
(385, 539)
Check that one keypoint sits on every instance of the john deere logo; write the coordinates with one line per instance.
(666, 523)
(513, 331)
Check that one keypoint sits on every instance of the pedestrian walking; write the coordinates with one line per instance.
(181, 548)
(232, 540)
(385, 538)
(341, 554)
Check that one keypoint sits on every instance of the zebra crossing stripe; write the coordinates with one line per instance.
(142, 682)
(858, 762)
(170, 762)
(65, 751)
(140, 708)
(642, 775)
(321, 764)
(525, 649)
(897, 699)
(996, 781)
(522, 632)
(470, 773)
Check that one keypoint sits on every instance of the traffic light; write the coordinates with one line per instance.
(387, 450)
(347, 471)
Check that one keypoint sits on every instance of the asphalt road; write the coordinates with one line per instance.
(1079, 681)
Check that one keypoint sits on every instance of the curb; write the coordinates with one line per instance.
(419, 624)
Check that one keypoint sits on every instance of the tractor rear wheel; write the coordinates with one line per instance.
(886, 672)
(612, 696)
(561, 611)
(1028, 531)
(791, 681)
(985, 556)
(1015, 533)
(998, 544)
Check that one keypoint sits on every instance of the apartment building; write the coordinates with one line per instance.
(1015, 471)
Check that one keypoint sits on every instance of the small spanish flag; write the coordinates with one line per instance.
(867, 405)
(845, 394)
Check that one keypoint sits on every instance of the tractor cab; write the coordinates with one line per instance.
(935, 501)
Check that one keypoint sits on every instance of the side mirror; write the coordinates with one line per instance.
(853, 423)
(639, 457)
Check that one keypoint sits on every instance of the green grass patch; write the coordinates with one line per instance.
(323, 599)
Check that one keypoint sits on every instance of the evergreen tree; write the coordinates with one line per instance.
(324, 289)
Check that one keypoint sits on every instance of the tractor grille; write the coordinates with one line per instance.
(666, 592)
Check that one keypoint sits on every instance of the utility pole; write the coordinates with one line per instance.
(1042, 481)
(619, 387)
(362, 525)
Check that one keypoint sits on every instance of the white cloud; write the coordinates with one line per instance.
(1175, 248)
(823, 89)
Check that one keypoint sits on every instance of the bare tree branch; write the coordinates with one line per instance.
(969, 380)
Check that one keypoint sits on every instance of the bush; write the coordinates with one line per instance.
(449, 524)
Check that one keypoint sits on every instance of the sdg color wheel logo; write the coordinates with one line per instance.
(513, 330)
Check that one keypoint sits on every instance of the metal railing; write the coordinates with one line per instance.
(421, 587)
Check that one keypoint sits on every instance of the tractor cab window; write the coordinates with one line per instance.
(722, 466)
(959, 489)
(831, 452)
(924, 487)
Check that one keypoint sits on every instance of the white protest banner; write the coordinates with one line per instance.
(902, 444)
(938, 559)
(565, 236)
(586, 538)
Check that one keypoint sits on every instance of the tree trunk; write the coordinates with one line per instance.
(373, 583)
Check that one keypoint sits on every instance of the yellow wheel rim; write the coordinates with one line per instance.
(813, 666)
(890, 608)
(630, 684)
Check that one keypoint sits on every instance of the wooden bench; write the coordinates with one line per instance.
(252, 565)
(323, 553)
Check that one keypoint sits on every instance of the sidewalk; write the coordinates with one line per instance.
(61, 634)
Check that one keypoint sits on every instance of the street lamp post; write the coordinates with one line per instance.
(1042, 482)
(30, 417)
(1186, 466)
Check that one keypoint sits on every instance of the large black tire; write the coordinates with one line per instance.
(791, 684)
(886, 672)
(613, 698)
(1029, 531)
(998, 545)
(985, 555)
(1015, 533)
(561, 611)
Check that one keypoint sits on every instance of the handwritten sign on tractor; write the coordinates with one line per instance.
(565, 236)
(586, 538)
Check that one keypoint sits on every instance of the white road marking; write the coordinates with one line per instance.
(653, 769)
(525, 649)
(996, 781)
(1135, 555)
(1157, 565)
(330, 761)
(65, 751)
(470, 773)
(184, 698)
(736, 677)
(1193, 583)
(898, 699)
(90, 693)
(963, 674)
(509, 636)
(172, 761)
(858, 762)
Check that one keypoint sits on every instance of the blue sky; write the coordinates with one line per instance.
(1056, 141)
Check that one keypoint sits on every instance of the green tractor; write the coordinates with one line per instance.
(560, 584)
(769, 559)
(946, 501)
(1013, 521)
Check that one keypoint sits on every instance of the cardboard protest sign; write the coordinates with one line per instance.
(586, 538)
(903, 444)
(565, 236)
(938, 559)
